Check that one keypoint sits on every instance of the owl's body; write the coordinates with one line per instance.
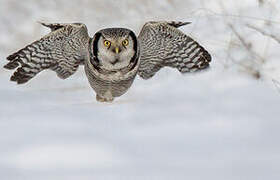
(111, 73)
(112, 58)
(108, 86)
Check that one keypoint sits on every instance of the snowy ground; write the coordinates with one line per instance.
(219, 124)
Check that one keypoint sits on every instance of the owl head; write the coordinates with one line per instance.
(114, 48)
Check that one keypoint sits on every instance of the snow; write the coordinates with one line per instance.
(218, 124)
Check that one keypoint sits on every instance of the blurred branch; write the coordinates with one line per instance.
(276, 84)
(261, 2)
(264, 32)
(252, 65)
(247, 45)
(254, 71)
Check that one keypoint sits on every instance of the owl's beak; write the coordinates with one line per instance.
(117, 50)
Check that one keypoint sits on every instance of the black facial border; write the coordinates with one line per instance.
(134, 59)
(94, 60)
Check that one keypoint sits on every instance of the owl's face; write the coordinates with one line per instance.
(114, 48)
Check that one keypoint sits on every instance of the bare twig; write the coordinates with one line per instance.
(255, 72)
(276, 84)
(255, 66)
(261, 2)
(247, 45)
(264, 32)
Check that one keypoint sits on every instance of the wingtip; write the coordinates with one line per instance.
(13, 78)
(44, 24)
(11, 57)
(13, 61)
(11, 65)
(40, 22)
(185, 23)
(19, 78)
(178, 23)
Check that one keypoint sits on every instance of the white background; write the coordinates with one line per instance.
(219, 124)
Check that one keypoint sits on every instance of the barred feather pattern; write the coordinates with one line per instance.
(62, 51)
(108, 86)
(162, 44)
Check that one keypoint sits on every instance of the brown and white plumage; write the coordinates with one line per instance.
(112, 58)
(162, 44)
(62, 51)
(111, 73)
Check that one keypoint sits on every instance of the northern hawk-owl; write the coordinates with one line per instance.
(112, 58)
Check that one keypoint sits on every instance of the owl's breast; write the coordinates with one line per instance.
(106, 83)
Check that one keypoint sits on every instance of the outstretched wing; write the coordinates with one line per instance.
(162, 44)
(62, 50)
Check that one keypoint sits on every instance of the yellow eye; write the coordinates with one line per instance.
(107, 43)
(125, 42)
